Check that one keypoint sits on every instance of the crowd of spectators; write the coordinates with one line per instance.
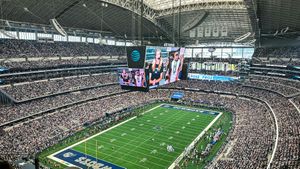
(252, 137)
(12, 48)
(278, 80)
(37, 134)
(258, 143)
(50, 64)
(12, 112)
(283, 89)
(287, 115)
(31, 90)
(250, 144)
(296, 100)
(277, 56)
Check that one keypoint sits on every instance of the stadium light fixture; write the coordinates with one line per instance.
(44, 29)
(26, 9)
(243, 37)
(58, 27)
(104, 4)
(285, 30)
(7, 23)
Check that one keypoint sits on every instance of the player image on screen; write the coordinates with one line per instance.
(156, 69)
(132, 77)
(124, 78)
(174, 65)
(163, 65)
(139, 78)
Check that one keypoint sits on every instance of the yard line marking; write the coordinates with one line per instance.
(134, 157)
(190, 127)
(180, 157)
(171, 117)
(88, 143)
(113, 157)
(191, 130)
(82, 141)
(127, 139)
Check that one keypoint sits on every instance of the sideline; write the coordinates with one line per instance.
(180, 157)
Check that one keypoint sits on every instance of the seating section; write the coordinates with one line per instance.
(46, 87)
(11, 48)
(252, 137)
(287, 115)
(277, 56)
(9, 113)
(249, 145)
(35, 135)
(52, 64)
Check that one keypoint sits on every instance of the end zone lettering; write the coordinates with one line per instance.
(93, 164)
(82, 160)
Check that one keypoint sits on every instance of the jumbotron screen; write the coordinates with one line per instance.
(163, 65)
(132, 77)
(156, 65)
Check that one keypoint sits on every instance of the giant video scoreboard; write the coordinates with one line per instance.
(152, 66)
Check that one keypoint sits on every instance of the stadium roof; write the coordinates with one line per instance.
(88, 14)
(161, 17)
(277, 15)
(165, 4)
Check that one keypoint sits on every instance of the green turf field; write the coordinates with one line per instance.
(142, 142)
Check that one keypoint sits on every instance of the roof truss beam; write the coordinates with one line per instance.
(202, 6)
(149, 13)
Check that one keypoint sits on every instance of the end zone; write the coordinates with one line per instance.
(72, 158)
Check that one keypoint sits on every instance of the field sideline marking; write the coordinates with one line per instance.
(180, 157)
(73, 145)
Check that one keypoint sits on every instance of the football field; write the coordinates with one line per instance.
(140, 142)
